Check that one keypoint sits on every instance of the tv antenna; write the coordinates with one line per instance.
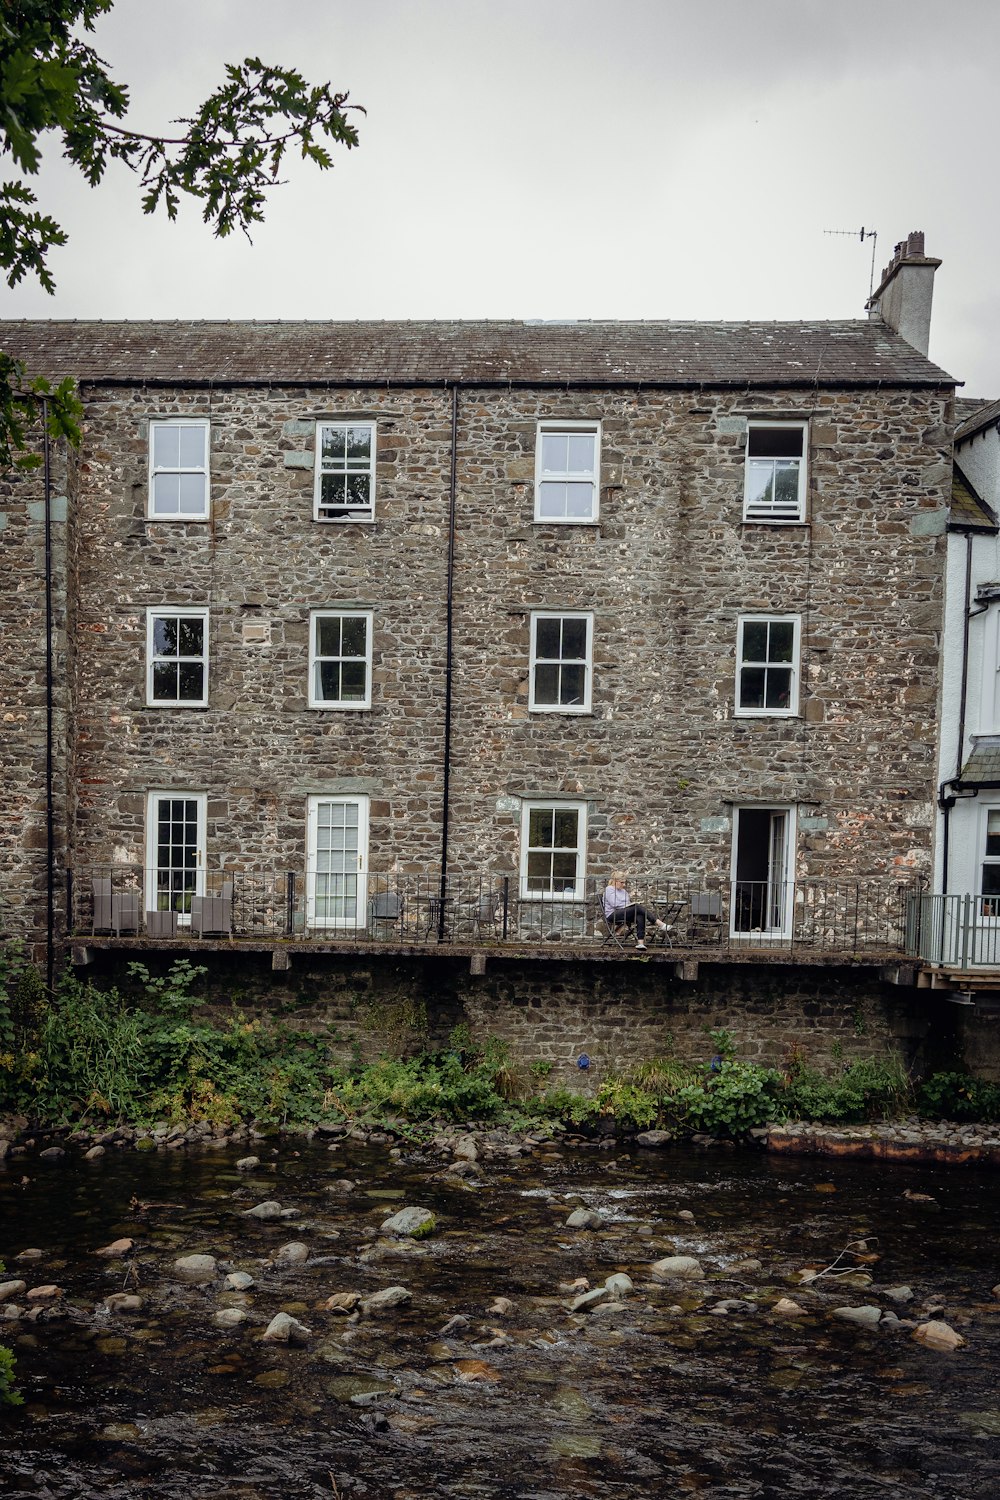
(862, 234)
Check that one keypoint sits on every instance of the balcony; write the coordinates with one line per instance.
(958, 938)
(712, 920)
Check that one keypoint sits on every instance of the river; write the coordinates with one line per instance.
(664, 1393)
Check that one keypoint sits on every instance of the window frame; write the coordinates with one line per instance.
(588, 662)
(554, 804)
(348, 515)
(153, 869)
(553, 424)
(762, 518)
(989, 901)
(758, 618)
(152, 514)
(340, 705)
(176, 612)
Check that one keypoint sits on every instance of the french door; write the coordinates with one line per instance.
(336, 860)
(175, 851)
(762, 871)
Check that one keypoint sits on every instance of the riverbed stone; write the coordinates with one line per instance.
(938, 1335)
(585, 1218)
(677, 1267)
(265, 1212)
(385, 1300)
(248, 1164)
(786, 1308)
(30, 1254)
(865, 1317)
(230, 1317)
(342, 1302)
(619, 1285)
(284, 1329)
(47, 1293)
(9, 1289)
(414, 1223)
(196, 1267)
(501, 1307)
(295, 1253)
(116, 1248)
(52, 1153)
(123, 1302)
(238, 1281)
(653, 1139)
(587, 1301)
(899, 1293)
(94, 1153)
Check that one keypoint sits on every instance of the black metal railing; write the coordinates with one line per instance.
(406, 909)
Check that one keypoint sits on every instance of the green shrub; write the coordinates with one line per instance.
(9, 1393)
(866, 1089)
(958, 1096)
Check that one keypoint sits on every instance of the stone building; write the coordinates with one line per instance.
(518, 603)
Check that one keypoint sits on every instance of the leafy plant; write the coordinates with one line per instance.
(958, 1096)
(9, 1393)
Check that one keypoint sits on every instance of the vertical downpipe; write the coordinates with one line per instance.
(448, 664)
(50, 840)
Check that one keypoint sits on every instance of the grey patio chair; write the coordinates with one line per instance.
(213, 914)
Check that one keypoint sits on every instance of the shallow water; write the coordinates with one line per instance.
(657, 1397)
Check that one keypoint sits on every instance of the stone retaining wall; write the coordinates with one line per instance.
(555, 1012)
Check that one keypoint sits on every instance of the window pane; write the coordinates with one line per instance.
(546, 684)
(752, 687)
(191, 494)
(191, 447)
(539, 872)
(566, 824)
(164, 682)
(166, 495)
(573, 686)
(564, 872)
(581, 452)
(359, 491)
(359, 445)
(759, 483)
(352, 678)
(548, 634)
(993, 832)
(579, 501)
(782, 640)
(755, 640)
(333, 489)
(192, 635)
(991, 884)
(354, 630)
(328, 635)
(555, 451)
(775, 442)
(164, 636)
(574, 638)
(328, 681)
(779, 684)
(540, 824)
(334, 445)
(786, 484)
(192, 678)
(166, 447)
(551, 499)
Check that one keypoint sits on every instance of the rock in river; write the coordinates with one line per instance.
(10, 1289)
(284, 1329)
(196, 1267)
(292, 1254)
(412, 1222)
(938, 1335)
(682, 1267)
(866, 1317)
(584, 1218)
(390, 1296)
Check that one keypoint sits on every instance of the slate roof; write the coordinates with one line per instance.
(857, 352)
(983, 763)
(985, 413)
(968, 511)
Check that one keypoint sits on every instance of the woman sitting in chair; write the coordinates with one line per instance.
(621, 911)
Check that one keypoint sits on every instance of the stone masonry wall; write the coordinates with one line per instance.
(554, 1012)
(661, 759)
(23, 834)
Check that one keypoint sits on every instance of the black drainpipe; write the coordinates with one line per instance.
(50, 840)
(448, 662)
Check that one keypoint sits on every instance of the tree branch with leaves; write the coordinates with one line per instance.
(227, 156)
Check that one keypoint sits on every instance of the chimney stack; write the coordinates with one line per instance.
(903, 296)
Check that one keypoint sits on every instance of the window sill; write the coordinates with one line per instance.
(800, 525)
(340, 708)
(175, 706)
(565, 713)
(178, 520)
(344, 520)
(590, 521)
(750, 714)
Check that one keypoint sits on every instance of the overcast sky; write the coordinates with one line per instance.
(570, 159)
